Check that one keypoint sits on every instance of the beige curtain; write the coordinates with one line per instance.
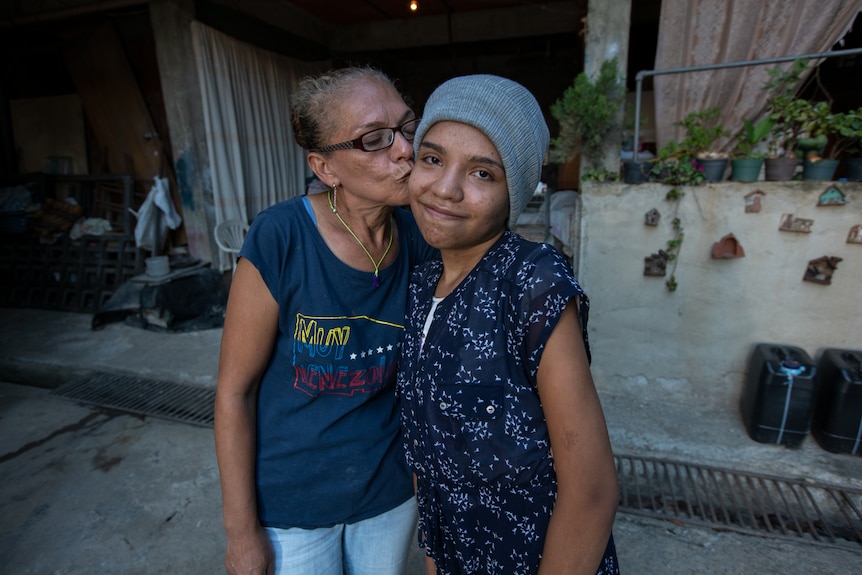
(245, 91)
(704, 32)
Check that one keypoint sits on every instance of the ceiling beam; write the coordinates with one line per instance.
(478, 26)
(283, 14)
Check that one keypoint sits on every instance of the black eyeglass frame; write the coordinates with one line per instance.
(357, 144)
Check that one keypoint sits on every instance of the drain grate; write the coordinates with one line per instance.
(722, 499)
(162, 399)
(743, 502)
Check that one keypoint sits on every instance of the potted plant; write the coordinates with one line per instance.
(674, 166)
(702, 130)
(747, 162)
(789, 116)
(818, 123)
(588, 112)
(692, 161)
(844, 140)
(782, 108)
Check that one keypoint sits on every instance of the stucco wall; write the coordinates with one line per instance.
(692, 346)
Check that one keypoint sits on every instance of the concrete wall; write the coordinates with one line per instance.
(49, 127)
(691, 346)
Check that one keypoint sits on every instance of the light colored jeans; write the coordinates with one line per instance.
(376, 546)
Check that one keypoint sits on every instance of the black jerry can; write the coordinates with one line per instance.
(779, 394)
(837, 421)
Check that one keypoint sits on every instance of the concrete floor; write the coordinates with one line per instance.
(86, 490)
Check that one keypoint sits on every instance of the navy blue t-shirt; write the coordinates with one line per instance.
(328, 444)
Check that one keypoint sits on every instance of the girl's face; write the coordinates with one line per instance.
(381, 176)
(458, 190)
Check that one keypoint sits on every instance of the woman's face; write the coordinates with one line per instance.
(380, 176)
(458, 189)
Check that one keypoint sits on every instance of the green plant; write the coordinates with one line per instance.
(785, 110)
(833, 135)
(750, 136)
(673, 194)
(817, 123)
(677, 163)
(827, 135)
(600, 174)
(671, 166)
(673, 246)
(588, 112)
(784, 82)
(849, 134)
(702, 130)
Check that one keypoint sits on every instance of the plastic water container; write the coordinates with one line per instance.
(837, 421)
(158, 266)
(780, 390)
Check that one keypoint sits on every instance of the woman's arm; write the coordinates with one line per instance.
(588, 492)
(250, 328)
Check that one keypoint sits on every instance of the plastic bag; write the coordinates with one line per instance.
(155, 216)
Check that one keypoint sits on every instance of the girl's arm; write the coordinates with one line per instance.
(250, 328)
(588, 492)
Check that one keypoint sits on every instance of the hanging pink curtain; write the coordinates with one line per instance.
(703, 32)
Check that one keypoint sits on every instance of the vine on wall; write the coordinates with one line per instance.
(674, 244)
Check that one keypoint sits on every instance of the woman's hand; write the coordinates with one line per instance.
(250, 554)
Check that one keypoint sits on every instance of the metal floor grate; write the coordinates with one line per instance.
(162, 399)
(744, 502)
(721, 499)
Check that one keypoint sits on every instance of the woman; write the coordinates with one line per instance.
(502, 423)
(306, 427)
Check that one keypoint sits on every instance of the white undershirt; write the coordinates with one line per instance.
(435, 301)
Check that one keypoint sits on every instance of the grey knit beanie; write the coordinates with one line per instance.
(509, 115)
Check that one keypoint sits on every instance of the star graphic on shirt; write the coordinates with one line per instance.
(352, 356)
(380, 349)
(389, 347)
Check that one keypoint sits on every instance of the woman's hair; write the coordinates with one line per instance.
(317, 97)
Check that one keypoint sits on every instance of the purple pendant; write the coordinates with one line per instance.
(376, 282)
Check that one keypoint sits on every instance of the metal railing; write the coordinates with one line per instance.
(639, 77)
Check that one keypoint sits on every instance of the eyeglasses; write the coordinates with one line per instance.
(376, 140)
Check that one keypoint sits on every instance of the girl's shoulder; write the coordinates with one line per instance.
(524, 260)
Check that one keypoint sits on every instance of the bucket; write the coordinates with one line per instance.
(158, 266)
(635, 172)
(780, 169)
(746, 170)
(853, 169)
(820, 170)
(713, 168)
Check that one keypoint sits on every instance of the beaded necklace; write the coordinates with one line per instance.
(376, 281)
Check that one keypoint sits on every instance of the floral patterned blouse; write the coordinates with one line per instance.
(473, 425)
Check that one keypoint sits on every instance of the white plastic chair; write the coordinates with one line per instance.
(229, 236)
